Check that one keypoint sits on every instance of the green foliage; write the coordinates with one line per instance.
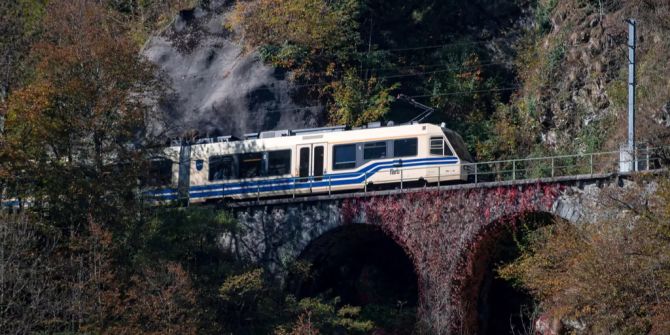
(326, 316)
(146, 16)
(468, 114)
(543, 15)
(285, 55)
(253, 303)
(185, 233)
(19, 26)
(357, 101)
(398, 319)
(314, 24)
(556, 56)
(591, 137)
(243, 288)
(516, 131)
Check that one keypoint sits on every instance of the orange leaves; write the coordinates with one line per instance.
(609, 274)
(86, 99)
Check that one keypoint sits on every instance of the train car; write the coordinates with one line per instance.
(310, 161)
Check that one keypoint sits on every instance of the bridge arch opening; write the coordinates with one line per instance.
(497, 306)
(364, 267)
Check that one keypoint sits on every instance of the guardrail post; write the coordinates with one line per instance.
(439, 170)
(591, 163)
(513, 170)
(646, 158)
(476, 179)
(401, 174)
(552, 167)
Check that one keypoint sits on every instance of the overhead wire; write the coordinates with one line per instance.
(437, 46)
(511, 88)
(447, 69)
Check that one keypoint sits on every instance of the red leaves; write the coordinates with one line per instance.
(442, 231)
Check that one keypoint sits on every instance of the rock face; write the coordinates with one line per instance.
(580, 83)
(217, 88)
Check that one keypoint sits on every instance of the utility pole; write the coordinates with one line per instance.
(632, 39)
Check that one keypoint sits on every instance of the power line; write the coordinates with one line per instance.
(420, 96)
(405, 75)
(440, 71)
(436, 46)
(437, 65)
(512, 88)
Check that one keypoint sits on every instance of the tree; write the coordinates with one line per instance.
(26, 300)
(74, 132)
(314, 24)
(19, 23)
(357, 101)
(609, 276)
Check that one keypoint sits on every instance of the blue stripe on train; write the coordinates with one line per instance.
(284, 184)
(369, 169)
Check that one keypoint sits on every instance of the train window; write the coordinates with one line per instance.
(221, 167)
(279, 162)
(160, 173)
(251, 165)
(436, 146)
(304, 163)
(318, 161)
(405, 147)
(374, 150)
(344, 156)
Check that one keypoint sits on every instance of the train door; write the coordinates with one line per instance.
(311, 158)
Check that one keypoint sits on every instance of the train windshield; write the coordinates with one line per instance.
(459, 146)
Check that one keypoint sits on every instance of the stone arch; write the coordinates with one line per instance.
(361, 264)
(489, 304)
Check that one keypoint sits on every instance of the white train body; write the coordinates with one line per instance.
(313, 161)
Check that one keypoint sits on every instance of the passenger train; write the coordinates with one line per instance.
(309, 161)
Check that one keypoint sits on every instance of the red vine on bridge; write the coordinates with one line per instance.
(444, 234)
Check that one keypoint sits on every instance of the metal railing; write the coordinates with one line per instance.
(642, 159)
(530, 168)
(569, 165)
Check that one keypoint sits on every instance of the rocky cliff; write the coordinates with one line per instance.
(574, 73)
(217, 87)
(569, 64)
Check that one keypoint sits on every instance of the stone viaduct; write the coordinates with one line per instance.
(447, 233)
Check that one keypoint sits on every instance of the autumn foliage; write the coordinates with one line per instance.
(445, 234)
(609, 275)
(73, 150)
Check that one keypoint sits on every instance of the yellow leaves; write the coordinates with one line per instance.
(610, 274)
(243, 286)
(27, 104)
(315, 24)
(26, 117)
(357, 101)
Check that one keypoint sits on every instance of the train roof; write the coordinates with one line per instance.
(294, 132)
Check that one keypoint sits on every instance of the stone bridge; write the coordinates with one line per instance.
(448, 234)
